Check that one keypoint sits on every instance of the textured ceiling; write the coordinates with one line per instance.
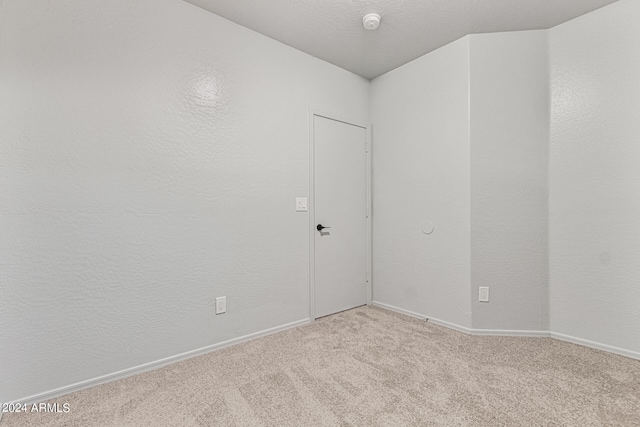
(332, 29)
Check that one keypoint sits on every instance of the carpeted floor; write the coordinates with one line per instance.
(369, 367)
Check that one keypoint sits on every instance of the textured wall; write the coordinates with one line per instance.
(509, 156)
(150, 156)
(421, 173)
(594, 200)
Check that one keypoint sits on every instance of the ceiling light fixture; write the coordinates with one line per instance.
(371, 21)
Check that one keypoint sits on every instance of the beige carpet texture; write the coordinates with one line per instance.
(369, 367)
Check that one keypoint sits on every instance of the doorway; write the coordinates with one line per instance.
(340, 215)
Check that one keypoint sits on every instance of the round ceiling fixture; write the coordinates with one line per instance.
(371, 21)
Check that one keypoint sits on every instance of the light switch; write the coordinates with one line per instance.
(483, 294)
(221, 305)
(301, 204)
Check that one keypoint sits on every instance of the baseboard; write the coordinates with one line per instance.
(420, 316)
(510, 333)
(513, 333)
(596, 345)
(464, 329)
(40, 397)
(398, 310)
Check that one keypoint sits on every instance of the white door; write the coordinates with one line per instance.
(340, 205)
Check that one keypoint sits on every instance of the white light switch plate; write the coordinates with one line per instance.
(221, 305)
(301, 204)
(483, 294)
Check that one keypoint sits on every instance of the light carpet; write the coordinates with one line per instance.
(369, 367)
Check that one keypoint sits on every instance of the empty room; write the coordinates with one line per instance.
(319, 213)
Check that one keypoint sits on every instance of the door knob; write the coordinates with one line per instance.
(321, 227)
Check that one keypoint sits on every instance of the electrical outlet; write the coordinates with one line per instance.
(221, 305)
(483, 294)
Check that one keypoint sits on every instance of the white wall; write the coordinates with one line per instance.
(553, 208)
(594, 200)
(421, 173)
(509, 157)
(461, 140)
(150, 156)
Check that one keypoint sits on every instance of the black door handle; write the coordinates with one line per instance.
(321, 227)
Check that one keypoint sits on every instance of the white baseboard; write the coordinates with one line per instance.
(464, 329)
(510, 333)
(398, 310)
(40, 397)
(513, 333)
(439, 322)
(596, 345)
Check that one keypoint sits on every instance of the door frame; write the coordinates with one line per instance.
(312, 220)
